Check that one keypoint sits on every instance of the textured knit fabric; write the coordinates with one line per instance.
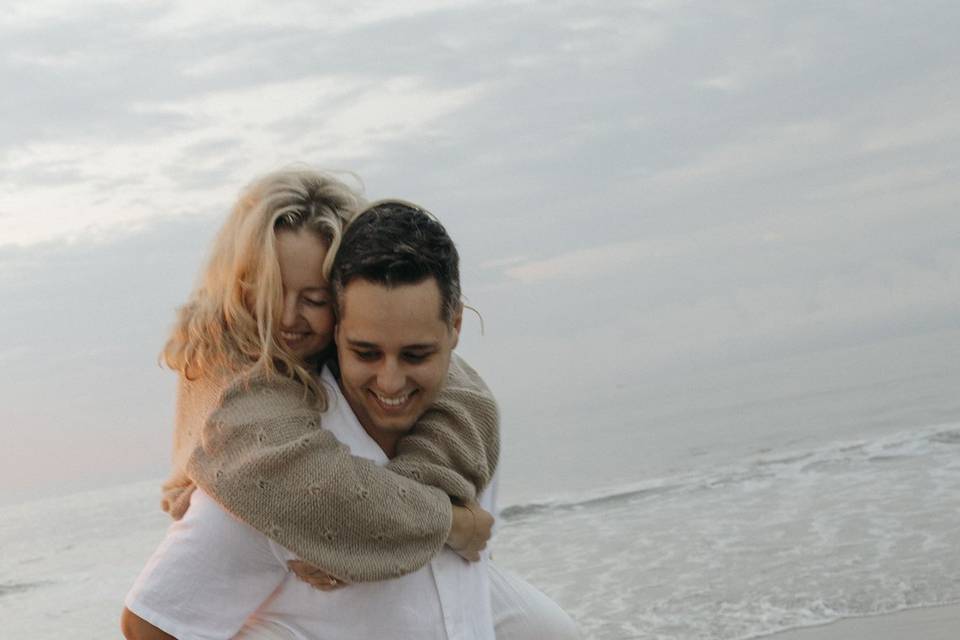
(260, 451)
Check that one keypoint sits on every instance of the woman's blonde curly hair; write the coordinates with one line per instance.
(229, 323)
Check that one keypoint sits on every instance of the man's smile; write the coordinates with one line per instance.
(393, 402)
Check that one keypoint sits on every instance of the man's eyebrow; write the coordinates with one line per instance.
(426, 346)
(363, 344)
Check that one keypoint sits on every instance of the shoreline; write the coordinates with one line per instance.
(938, 622)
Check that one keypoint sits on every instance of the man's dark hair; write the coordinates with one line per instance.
(394, 243)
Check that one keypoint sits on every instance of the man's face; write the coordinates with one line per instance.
(394, 350)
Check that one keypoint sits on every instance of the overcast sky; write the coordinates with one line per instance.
(636, 187)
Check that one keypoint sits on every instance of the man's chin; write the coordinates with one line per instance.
(396, 423)
(396, 427)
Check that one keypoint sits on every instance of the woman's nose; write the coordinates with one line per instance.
(291, 313)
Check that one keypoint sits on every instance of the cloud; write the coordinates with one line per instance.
(579, 264)
(759, 152)
(900, 181)
(58, 189)
(336, 16)
(926, 129)
(498, 263)
(12, 354)
(743, 69)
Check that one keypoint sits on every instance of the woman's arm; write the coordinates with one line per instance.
(264, 457)
(455, 445)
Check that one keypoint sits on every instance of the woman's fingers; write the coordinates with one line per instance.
(483, 527)
(472, 528)
(326, 586)
(314, 575)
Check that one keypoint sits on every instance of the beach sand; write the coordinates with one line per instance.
(932, 623)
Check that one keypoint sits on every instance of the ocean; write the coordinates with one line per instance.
(736, 504)
(776, 542)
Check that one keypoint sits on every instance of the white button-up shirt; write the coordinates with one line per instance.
(215, 577)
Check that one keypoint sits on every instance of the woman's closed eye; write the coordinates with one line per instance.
(315, 302)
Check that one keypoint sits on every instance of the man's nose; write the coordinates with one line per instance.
(391, 378)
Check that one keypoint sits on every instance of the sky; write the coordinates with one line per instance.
(639, 190)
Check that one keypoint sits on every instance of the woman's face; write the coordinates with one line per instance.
(306, 324)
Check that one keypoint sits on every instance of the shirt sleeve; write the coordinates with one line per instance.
(210, 573)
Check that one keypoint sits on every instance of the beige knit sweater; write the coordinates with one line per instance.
(255, 444)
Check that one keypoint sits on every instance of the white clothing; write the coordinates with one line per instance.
(520, 612)
(214, 575)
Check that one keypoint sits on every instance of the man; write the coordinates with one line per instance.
(399, 313)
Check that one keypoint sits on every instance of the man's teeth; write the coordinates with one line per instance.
(393, 402)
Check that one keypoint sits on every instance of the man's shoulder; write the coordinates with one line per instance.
(207, 523)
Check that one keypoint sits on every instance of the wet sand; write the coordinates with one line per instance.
(932, 623)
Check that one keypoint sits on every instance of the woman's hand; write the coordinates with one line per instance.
(472, 527)
(315, 576)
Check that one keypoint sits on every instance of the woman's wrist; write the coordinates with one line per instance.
(462, 527)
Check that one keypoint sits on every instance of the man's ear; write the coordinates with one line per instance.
(457, 323)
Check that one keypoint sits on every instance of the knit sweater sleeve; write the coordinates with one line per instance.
(456, 444)
(263, 455)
